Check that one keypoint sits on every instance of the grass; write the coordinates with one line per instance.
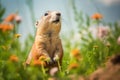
(81, 57)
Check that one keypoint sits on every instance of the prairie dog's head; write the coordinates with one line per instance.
(50, 22)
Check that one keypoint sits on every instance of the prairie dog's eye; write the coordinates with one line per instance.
(45, 14)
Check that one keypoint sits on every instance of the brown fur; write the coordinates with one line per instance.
(47, 41)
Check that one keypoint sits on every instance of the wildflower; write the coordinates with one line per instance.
(41, 61)
(73, 66)
(118, 40)
(18, 19)
(10, 18)
(102, 32)
(53, 71)
(13, 17)
(13, 58)
(75, 52)
(6, 27)
(97, 16)
(37, 63)
(17, 35)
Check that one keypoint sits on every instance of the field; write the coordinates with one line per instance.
(89, 49)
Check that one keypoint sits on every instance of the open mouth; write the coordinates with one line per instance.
(56, 21)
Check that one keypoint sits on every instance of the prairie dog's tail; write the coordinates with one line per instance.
(29, 58)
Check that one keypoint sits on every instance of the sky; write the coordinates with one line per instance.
(109, 8)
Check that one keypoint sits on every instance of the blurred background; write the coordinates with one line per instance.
(90, 37)
(31, 10)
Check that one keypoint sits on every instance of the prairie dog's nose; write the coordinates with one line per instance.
(58, 14)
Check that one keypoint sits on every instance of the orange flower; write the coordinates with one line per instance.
(6, 27)
(38, 63)
(13, 58)
(75, 52)
(97, 16)
(10, 18)
(73, 66)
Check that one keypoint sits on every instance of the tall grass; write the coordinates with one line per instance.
(82, 54)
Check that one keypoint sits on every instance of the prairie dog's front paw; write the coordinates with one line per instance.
(51, 62)
(44, 58)
(56, 58)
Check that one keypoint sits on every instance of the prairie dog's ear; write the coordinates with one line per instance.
(36, 24)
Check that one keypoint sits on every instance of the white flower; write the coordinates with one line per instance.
(99, 31)
(103, 32)
(18, 19)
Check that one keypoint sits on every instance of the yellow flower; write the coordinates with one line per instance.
(13, 58)
(17, 35)
(97, 16)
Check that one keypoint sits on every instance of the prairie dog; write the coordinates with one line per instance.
(47, 41)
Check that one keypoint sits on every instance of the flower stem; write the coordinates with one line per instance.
(43, 70)
(59, 66)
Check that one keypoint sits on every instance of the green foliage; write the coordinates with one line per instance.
(91, 51)
(2, 11)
